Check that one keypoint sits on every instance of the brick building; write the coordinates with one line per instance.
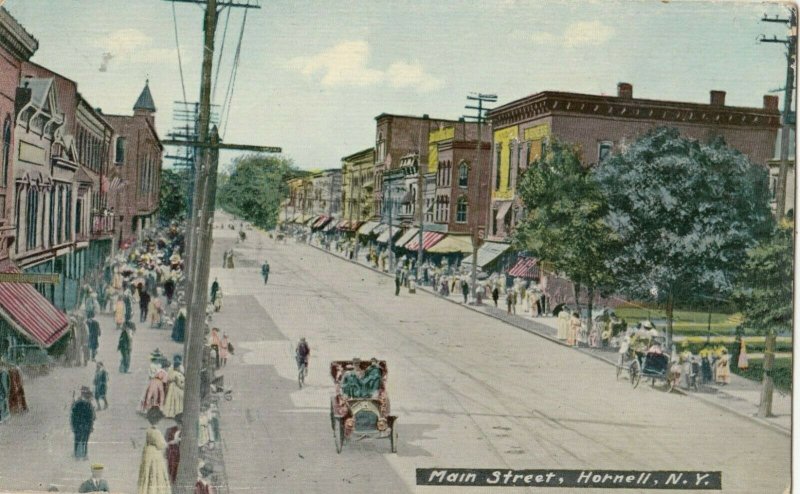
(600, 124)
(358, 184)
(136, 171)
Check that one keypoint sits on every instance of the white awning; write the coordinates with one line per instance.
(367, 227)
(503, 210)
(407, 236)
(488, 252)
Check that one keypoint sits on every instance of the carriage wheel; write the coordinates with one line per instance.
(338, 434)
(619, 365)
(393, 439)
(635, 373)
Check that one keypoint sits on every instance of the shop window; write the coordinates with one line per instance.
(604, 150)
(461, 210)
(498, 154)
(119, 155)
(6, 150)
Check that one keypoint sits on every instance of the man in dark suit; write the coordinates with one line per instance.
(94, 336)
(97, 483)
(82, 422)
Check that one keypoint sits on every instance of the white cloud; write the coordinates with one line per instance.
(403, 74)
(587, 33)
(132, 45)
(575, 35)
(347, 64)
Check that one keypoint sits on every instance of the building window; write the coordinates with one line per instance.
(510, 154)
(463, 175)
(119, 155)
(381, 145)
(32, 205)
(68, 216)
(51, 237)
(78, 218)
(6, 150)
(773, 188)
(60, 216)
(461, 210)
(604, 150)
(498, 153)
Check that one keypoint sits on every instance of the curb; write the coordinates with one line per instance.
(758, 420)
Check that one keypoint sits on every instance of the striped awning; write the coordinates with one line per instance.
(368, 227)
(321, 221)
(331, 225)
(429, 239)
(28, 312)
(526, 267)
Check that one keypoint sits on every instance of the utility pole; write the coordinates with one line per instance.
(477, 234)
(421, 196)
(390, 244)
(765, 405)
(199, 238)
(791, 48)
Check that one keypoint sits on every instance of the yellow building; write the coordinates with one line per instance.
(358, 185)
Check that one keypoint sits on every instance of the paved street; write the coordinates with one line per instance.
(470, 391)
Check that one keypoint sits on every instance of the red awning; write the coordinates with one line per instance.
(27, 311)
(321, 221)
(526, 267)
(429, 239)
(342, 225)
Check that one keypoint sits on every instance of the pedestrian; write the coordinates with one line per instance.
(514, 301)
(224, 346)
(155, 394)
(397, 283)
(173, 439)
(218, 301)
(265, 271)
(723, 375)
(465, 289)
(179, 327)
(742, 361)
(100, 385)
(153, 476)
(97, 483)
(82, 422)
(127, 299)
(509, 299)
(214, 290)
(173, 404)
(225, 259)
(495, 295)
(574, 329)
(144, 304)
(124, 347)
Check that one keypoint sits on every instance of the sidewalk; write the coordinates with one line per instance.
(742, 396)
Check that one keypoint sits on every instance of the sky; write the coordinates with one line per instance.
(313, 74)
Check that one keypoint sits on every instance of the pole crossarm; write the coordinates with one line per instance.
(238, 147)
(225, 3)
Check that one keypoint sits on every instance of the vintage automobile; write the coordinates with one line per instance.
(360, 406)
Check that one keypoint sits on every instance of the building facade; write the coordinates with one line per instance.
(326, 193)
(135, 176)
(358, 186)
(601, 124)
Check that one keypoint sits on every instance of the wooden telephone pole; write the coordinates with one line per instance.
(477, 232)
(199, 240)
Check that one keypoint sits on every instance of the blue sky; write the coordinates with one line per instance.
(314, 74)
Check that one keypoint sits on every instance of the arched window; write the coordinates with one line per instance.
(461, 210)
(463, 175)
(119, 155)
(6, 149)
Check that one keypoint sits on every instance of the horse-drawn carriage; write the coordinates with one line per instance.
(360, 406)
(643, 356)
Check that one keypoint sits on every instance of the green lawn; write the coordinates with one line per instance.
(690, 323)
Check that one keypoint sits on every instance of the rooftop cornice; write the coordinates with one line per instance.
(359, 154)
(15, 38)
(550, 102)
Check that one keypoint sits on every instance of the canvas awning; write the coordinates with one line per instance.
(407, 236)
(331, 225)
(526, 267)
(453, 244)
(503, 210)
(321, 221)
(28, 312)
(383, 238)
(487, 253)
(429, 239)
(368, 227)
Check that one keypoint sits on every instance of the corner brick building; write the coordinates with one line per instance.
(600, 124)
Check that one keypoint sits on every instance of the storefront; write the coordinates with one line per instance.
(490, 257)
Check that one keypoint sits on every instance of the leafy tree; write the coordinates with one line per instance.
(174, 193)
(255, 187)
(686, 213)
(565, 224)
(764, 291)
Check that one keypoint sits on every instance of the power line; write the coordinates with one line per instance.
(219, 59)
(178, 48)
(226, 108)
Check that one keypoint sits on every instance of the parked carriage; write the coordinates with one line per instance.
(360, 406)
(643, 357)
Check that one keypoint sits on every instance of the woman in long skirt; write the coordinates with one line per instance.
(153, 476)
(155, 395)
(723, 368)
(173, 405)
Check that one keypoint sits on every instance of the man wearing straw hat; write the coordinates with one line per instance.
(97, 483)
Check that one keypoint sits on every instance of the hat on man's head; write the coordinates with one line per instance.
(97, 466)
(85, 391)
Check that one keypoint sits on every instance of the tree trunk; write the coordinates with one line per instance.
(590, 322)
(669, 311)
(765, 406)
(577, 287)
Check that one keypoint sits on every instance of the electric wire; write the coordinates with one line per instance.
(219, 58)
(232, 82)
(178, 48)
